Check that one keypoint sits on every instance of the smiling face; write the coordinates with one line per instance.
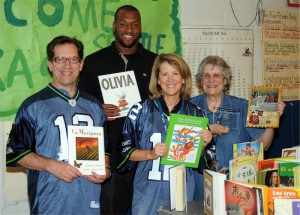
(127, 29)
(65, 74)
(213, 80)
(170, 80)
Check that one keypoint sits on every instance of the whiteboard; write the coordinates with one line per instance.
(235, 45)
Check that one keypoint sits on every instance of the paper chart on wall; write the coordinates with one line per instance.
(234, 45)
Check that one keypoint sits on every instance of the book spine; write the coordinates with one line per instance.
(179, 189)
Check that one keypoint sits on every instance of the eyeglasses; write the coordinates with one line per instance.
(61, 60)
(207, 76)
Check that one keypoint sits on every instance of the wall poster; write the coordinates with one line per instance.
(228, 43)
(281, 45)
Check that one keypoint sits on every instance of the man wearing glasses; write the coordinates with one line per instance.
(38, 139)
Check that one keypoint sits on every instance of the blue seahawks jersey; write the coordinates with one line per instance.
(41, 127)
(144, 128)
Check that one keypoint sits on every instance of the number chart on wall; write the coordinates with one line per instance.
(235, 46)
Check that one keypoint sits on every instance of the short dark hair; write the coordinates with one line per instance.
(127, 8)
(60, 40)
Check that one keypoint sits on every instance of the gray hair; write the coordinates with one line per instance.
(214, 61)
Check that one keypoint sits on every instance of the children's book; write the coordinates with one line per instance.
(184, 141)
(266, 164)
(248, 149)
(262, 106)
(293, 152)
(243, 169)
(245, 198)
(86, 149)
(120, 89)
(286, 173)
(296, 171)
(287, 206)
(268, 177)
(214, 193)
(281, 193)
(178, 195)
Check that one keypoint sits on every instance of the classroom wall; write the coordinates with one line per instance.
(13, 197)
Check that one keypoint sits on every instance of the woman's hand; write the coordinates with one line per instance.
(206, 135)
(280, 107)
(160, 150)
(218, 129)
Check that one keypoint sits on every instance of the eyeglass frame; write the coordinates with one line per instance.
(65, 59)
(207, 76)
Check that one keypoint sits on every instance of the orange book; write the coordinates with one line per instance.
(266, 164)
(281, 193)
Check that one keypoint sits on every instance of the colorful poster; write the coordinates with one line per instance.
(28, 26)
(281, 51)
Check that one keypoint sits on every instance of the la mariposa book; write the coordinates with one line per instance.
(245, 198)
(86, 149)
(262, 106)
(120, 89)
(243, 169)
(178, 195)
(214, 192)
(248, 149)
(184, 141)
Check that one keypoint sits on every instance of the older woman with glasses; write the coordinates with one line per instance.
(227, 114)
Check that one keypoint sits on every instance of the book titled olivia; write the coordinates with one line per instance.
(183, 140)
(86, 149)
(120, 89)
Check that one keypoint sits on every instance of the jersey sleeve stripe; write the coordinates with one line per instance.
(18, 157)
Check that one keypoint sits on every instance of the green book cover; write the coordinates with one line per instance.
(286, 173)
(183, 140)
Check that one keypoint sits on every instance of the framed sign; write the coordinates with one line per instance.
(293, 3)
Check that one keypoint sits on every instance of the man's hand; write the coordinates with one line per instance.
(63, 171)
(111, 111)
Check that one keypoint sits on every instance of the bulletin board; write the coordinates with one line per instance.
(235, 45)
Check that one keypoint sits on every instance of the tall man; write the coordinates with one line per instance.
(124, 54)
(38, 138)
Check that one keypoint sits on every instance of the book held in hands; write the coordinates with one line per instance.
(86, 149)
(183, 140)
(262, 106)
(120, 89)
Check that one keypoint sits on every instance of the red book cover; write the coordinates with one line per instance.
(243, 198)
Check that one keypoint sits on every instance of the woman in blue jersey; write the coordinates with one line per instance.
(145, 131)
(226, 114)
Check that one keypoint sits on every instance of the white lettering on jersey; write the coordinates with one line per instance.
(134, 110)
(63, 154)
(83, 118)
(154, 173)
